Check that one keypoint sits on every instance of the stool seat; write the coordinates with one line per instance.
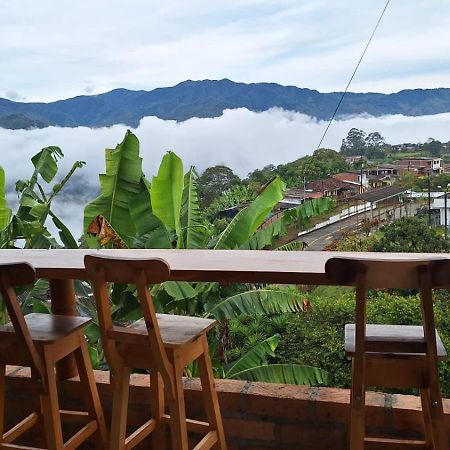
(393, 339)
(176, 331)
(47, 327)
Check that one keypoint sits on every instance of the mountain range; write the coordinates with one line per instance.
(209, 98)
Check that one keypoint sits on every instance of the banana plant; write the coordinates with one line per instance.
(27, 226)
(165, 213)
(254, 366)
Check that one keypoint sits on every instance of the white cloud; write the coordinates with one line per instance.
(241, 139)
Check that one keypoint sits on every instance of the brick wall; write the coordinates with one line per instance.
(257, 416)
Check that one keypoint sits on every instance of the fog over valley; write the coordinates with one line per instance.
(240, 139)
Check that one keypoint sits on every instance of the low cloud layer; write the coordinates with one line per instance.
(240, 139)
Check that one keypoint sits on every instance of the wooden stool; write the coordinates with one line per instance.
(39, 341)
(396, 356)
(161, 343)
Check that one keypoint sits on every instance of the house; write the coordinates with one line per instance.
(356, 178)
(440, 204)
(354, 159)
(383, 170)
(421, 165)
(381, 175)
(331, 187)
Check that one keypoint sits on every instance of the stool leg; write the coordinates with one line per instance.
(2, 400)
(121, 383)
(157, 408)
(179, 436)
(37, 401)
(90, 393)
(439, 430)
(425, 400)
(357, 409)
(210, 396)
(50, 408)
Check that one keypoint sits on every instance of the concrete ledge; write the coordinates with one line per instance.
(256, 415)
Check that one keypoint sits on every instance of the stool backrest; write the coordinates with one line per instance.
(139, 272)
(422, 274)
(12, 275)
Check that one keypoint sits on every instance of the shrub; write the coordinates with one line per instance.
(317, 337)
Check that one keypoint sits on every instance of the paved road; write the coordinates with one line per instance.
(319, 239)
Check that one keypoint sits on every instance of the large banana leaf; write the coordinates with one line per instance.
(45, 164)
(258, 301)
(119, 185)
(247, 221)
(5, 212)
(150, 231)
(193, 229)
(285, 374)
(167, 191)
(292, 246)
(302, 214)
(64, 233)
(255, 357)
(264, 237)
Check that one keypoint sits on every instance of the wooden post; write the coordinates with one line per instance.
(62, 293)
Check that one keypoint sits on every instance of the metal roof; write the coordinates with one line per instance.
(377, 195)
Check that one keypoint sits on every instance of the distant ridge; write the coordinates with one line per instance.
(209, 98)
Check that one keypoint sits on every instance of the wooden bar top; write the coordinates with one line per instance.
(255, 266)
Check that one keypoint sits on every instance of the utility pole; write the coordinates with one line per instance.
(445, 212)
(304, 188)
(429, 200)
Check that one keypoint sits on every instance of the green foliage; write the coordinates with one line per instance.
(433, 147)
(213, 182)
(355, 243)
(410, 234)
(166, 214)
(167, 192)
(119, 185)
(5, 212)
(194, 230)
(317, 337)
(357, 143)
(27, 226)
(257, 301)
(323, 163)
(238, 194)
(248, 220)
(441, 180)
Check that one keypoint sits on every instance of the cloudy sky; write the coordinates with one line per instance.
(51, 50)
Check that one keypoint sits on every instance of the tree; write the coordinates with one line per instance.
(323, 163)
(375, 139)
(407, 179)
(411, 234)
(433, 147)
(214, 181)
(374, 146)
(354, 143)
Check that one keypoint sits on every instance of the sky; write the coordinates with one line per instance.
(52, 50)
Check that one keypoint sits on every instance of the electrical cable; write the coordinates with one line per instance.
(353, 74)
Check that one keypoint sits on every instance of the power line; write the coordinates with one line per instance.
(354, 72)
